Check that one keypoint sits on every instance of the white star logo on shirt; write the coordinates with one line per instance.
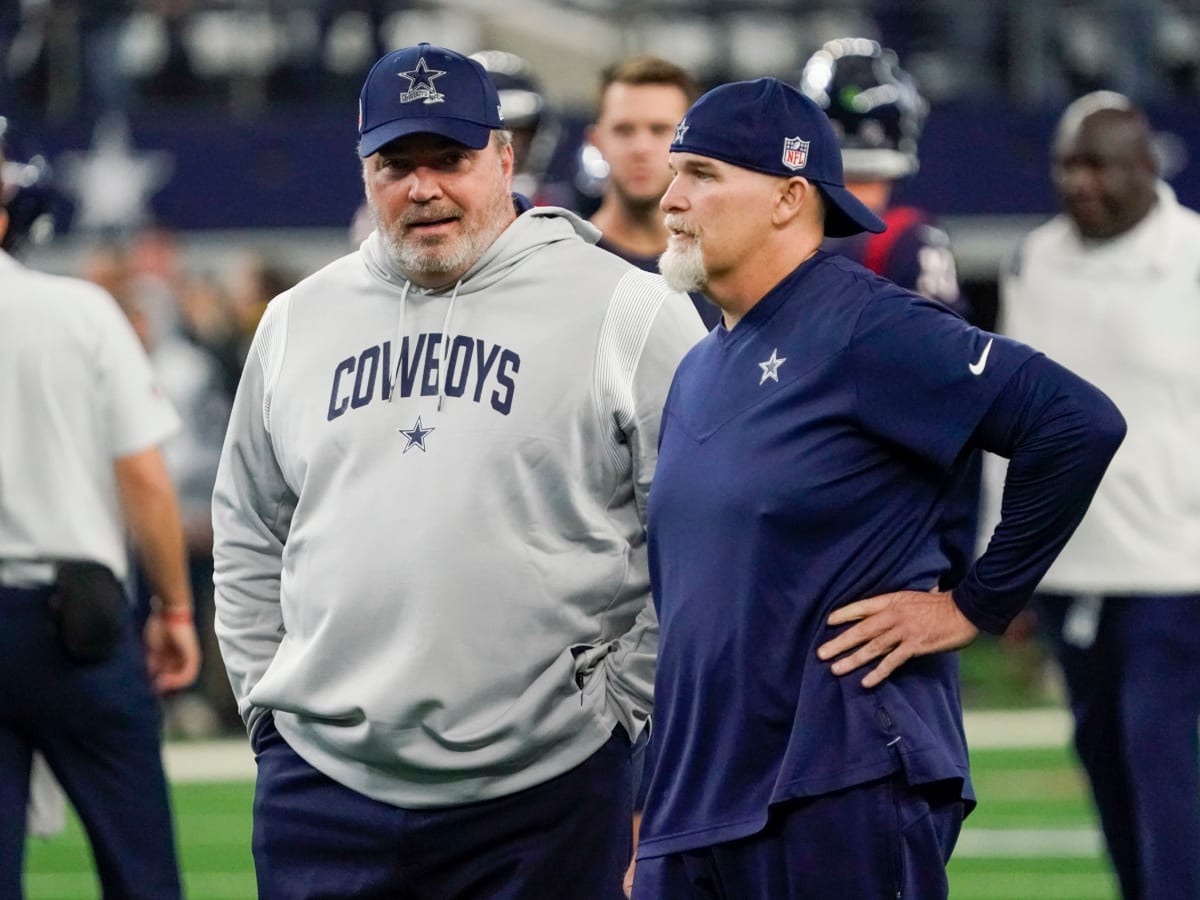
(771, 366)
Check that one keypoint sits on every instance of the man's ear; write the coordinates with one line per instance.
(508, 159)
(795, 195)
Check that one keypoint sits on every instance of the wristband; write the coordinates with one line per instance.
(174, 616)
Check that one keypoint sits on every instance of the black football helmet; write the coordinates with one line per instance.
(874, 106)
(521, 99)
(535, 126)
(26, 192)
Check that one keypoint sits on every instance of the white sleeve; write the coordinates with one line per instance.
(252, 513)
(652, 330)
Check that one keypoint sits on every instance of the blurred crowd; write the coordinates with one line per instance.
(68, 57)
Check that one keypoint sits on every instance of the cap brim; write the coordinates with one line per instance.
(845, 214)
(469, 134)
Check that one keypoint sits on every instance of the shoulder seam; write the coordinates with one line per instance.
(271, 345)
(635, 302)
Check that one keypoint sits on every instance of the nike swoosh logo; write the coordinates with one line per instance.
(978, 367)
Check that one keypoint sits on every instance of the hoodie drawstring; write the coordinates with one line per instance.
(442, 369)
(399, 340)
(446, 341)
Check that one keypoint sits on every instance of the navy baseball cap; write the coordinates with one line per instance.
(427, 90)
(768, 126)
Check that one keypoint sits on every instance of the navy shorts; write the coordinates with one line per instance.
(570, 837)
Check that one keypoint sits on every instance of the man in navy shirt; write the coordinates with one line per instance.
(807, 448)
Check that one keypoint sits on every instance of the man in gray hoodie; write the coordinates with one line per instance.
(431, 581)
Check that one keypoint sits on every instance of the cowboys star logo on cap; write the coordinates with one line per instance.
(420, 84)
(440, 92)
(680, 130)
(795, 153)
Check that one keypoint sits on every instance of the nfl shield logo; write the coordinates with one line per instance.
(795, 153)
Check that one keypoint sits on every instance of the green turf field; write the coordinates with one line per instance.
(1032, 838)
(1033, 835)
(213, 829)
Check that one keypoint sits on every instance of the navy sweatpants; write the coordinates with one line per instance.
(98, 726)
(570, 837)
(1135, 698)
(878, 840)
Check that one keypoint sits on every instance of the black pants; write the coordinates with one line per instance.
(567, 838)
(1135, 698)
(98, 727)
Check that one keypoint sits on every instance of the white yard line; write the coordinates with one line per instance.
(223, 760)
(1022, 728)
(1007, 843)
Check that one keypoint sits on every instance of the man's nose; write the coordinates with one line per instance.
(425, 185)
(672, 200)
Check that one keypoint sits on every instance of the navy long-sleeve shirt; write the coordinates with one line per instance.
(806, 458)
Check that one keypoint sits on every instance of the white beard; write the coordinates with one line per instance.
(682, 265)
(412, 257)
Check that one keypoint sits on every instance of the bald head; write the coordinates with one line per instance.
(1103, 165)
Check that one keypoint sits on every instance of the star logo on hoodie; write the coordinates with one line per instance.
(416, 436)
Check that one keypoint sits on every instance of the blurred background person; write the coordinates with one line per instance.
(640, 102)
(82, 469)
(30, 201)
(878, 115)
(146, 275)
(26, 196)
(1111, 289)
(536, 127)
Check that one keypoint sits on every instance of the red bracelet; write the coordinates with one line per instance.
(174, 616)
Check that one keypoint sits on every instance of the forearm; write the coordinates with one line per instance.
(1059, 433)
(630, 671)
(252, 507)
(249, 631)
(151, 511)
(247, 570)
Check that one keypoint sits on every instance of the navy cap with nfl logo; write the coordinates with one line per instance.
(768, 126)
(427, 90)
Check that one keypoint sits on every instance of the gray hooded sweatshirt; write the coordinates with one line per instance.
(429, 515)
